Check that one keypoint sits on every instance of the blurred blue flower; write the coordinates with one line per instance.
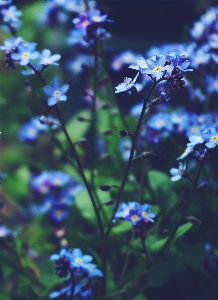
(210, 137)
(10, 14)
(46, 58)
(37, 66)
(178, 173)
(127, 84)
(25, 53)
(56, 92)
(11, 43)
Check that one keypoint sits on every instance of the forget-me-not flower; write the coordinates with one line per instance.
(177, 173)
(56, 92)
(127, 84)
(47, 59)
(210, 136)
(25, 53)
(11, 14)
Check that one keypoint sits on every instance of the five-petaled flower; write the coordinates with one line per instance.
(47, 59)
(127, 84)
(156, 66)
(210, 136)
(56, 92)
(11, 14)
(25, 53)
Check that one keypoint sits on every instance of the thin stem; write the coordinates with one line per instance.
(145, 250)
(134, 141)
(125, 263)
(73, 149)
(171, 236)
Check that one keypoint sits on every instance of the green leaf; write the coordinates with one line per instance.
(182, 229)
(156, 246)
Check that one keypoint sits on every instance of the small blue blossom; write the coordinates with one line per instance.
(146, 214)
(11, 43)
(11, 14)
(46, 58)
(156, 66)
(25, 53)
(194, 140)
(127, 84)
(180, 64)
(93, 271)
(56, 92)
(138, 215)
(58, 213)
(178, 173)
(77, 259)
(210, 137)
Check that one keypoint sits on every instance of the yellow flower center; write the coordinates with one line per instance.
(25, 55)
(57, 181)
(214, 138)
(157, 68)
(96, 19)
(194, 129)
(85, 23)
(144, 214)
(134, 218)
(56, 94)
(78, 260)
(59, 212)
(160, 122)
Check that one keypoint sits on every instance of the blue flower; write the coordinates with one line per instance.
(47, 59)
(25, 53)
(11, 43)
(93, 271)
(134, 216)
(156, 66)
(78, 260)
(56, 92)
(58, 213)
(11, 14)
(210, 136)
(179, 63)
(146, 214)
(127, 84)
(194, 140)
(178, 173)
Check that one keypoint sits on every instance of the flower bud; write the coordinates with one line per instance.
(193, 220)
(202, 186)
(107, 132)
(83, 142)
(105, 187)
(147, 155)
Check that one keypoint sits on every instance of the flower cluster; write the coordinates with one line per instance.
(159, 67)
(57, 190)
(138, 215)
(79, 267)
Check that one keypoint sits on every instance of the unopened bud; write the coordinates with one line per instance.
(156, 101)
(105, 106)
(123, 133)
(193, 220)
(82, 119)
(112, 201)
(147, 155)
(203, 186)
(105, 187)
(83, 142)
(107, 132)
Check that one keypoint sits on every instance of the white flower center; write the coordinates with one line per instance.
(57, 94)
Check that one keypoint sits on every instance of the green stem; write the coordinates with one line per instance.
(145, 250)
(134, 141)
(73, 149)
